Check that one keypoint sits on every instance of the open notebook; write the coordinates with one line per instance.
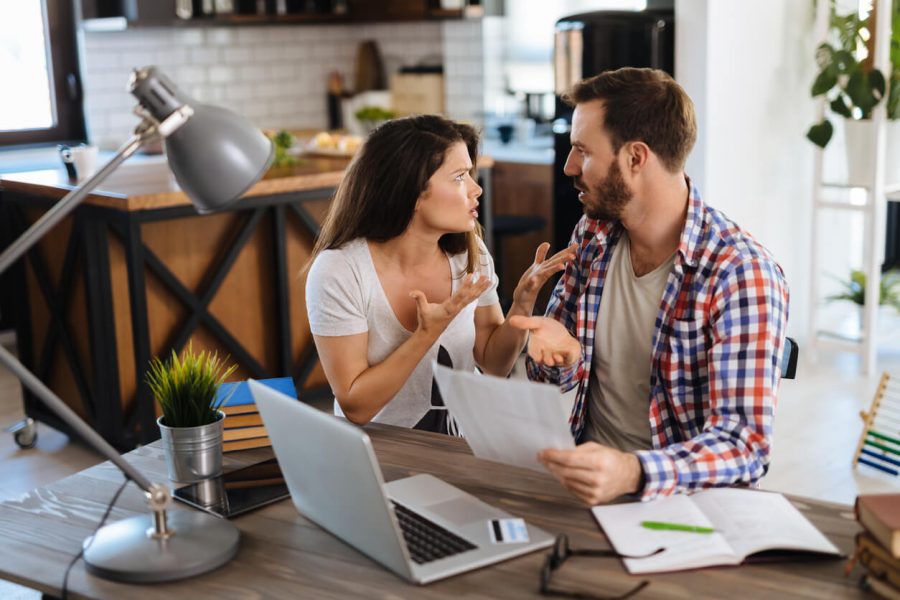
(746, 522)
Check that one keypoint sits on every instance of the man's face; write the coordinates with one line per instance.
(593, 166)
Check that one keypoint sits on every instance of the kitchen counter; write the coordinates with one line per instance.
(150, 184)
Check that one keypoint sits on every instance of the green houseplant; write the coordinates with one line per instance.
(852, 87)
(854, 289)
(191, 424)
(370, 117)
(283, 141)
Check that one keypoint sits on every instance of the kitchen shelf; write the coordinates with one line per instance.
(150, 14)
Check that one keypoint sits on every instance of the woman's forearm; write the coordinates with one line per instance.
(504, 346)
(375, 386)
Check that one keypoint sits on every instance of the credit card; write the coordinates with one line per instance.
(508, 531)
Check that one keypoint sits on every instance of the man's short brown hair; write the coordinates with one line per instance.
(644, 105)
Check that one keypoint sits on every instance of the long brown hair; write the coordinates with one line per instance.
(644, 105)
(377, 197)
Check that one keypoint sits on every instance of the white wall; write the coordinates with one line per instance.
(752, 157)
(276, 76)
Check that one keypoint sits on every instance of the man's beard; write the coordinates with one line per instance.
(611, 196)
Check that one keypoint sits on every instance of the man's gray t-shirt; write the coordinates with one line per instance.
(344, 297)
(619, 386)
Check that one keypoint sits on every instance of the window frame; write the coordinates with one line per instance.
(65, 78)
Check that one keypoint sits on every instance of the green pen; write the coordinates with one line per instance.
(663, 526)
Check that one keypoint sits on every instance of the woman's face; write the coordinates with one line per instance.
(449, 204)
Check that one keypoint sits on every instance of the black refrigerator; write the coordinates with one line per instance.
(586, 45)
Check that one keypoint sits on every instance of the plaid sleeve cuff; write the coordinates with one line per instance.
(565, 377)
(660, 474)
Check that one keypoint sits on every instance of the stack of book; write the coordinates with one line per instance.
(244, 428)
(878, 545)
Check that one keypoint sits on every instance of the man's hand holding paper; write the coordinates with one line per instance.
(593, 472)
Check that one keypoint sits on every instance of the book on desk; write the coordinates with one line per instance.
(878, 545)
(718, 526)
(243, 427)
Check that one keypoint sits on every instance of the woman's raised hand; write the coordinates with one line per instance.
(434, 318)
(534, 278)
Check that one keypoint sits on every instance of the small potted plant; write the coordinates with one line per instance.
(370, 117)
(854, 289)
(191, 425)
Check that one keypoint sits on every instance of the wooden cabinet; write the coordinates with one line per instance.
(522, 189)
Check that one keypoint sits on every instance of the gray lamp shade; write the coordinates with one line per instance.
(217, 156)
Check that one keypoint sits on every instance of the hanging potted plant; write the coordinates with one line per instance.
(191, 425)
(853, 88)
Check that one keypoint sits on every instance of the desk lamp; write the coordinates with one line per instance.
(216, 156)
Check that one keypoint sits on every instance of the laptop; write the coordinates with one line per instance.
(419, 527)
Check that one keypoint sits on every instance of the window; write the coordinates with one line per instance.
(41, 98)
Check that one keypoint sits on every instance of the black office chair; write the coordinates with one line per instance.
(789, 359)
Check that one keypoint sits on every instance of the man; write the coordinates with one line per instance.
(670, 320)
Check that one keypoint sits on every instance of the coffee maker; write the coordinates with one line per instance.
(586, 45)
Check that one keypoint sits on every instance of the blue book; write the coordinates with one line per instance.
(237, 394)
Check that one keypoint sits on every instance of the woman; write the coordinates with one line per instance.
(401, 277)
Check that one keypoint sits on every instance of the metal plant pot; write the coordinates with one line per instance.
(193, 453)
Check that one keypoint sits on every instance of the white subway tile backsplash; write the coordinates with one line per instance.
(205, 55)
(277, 76)
(219, 36)
(282, 71)
(266, 53)
(220, 74)
(252, 73)
(237, 55)
(187, 75)
(184, 37)
(239, 92)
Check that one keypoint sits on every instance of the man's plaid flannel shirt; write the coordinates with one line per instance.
(716, 350)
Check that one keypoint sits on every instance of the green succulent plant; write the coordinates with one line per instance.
(186, 386)
(854, 289)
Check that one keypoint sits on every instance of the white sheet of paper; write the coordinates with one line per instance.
(505, 420)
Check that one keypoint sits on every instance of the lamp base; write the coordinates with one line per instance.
(123, 551)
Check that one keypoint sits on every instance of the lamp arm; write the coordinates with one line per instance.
(62, 208)
(38, 388)
(145, 132)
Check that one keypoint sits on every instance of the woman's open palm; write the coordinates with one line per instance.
(434, 318)
(534, 278)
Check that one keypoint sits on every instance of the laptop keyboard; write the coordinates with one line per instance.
(427, 541)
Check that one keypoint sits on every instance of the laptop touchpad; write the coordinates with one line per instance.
(461, 511)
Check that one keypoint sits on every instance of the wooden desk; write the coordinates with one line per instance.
(283, 555)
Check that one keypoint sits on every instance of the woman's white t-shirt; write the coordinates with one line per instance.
(344, 297)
